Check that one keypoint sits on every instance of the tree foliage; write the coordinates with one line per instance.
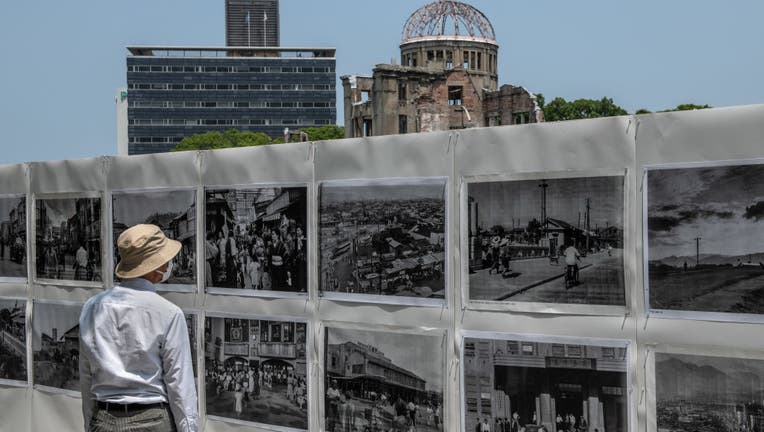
(325, 132)
(227, 139)
(560, 109)
(234, 138)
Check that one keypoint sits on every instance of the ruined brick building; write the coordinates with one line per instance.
(448, 79)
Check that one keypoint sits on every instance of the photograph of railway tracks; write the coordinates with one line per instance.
(705, 238)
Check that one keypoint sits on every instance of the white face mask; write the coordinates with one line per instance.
(167, 273)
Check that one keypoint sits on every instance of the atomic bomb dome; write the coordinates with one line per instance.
(446, 19)
(447, 79)
(449, 35)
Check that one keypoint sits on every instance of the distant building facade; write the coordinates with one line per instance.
(363, 368)
(540, 381)
(175, 92)
(446, 80)
(252, 23)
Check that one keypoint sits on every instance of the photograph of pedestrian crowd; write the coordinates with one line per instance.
(705, 238)
(13, 335)
(13, 237)
(256, 371)
(174, 211)
(547, 240)
(256, 239)
(383, 238)
(382, 381)
(516, 385)
(708, 393)
(56, 345)
(68, 239)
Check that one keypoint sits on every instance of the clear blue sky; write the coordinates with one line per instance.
(63, 61)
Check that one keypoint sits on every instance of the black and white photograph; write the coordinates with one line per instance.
(68, 239)
(383, 237)
(548, 240)
(13, 336)
(173, 211)
(256, 371)
(513, 385)
(13, 237)
(256, 239)
(705, 238)
(56, 345)
(191, 325)
(383, 381)
(695, 393)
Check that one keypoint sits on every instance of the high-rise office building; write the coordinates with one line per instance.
(175, 92)
(252, 23)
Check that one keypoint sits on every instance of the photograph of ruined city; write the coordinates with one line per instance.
(696, 393)
(530, 385)
(383, 381)
(174, 211)
(547, 240)
(705, 238)
(13, 237)
(256, 371)
(56, 345)
(383, 237)
(13, 336)
(68, 237)
(256, 239)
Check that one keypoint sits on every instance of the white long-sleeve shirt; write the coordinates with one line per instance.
(134, 348)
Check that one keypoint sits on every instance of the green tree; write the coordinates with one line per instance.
(235, 138)
(217, 140)
(687, 107)
(327, 132)
(560, 109)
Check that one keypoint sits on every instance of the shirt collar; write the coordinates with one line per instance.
(139, 284)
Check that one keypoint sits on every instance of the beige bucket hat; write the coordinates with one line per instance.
(143, 249)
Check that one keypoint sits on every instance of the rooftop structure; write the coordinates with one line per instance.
(252, 23)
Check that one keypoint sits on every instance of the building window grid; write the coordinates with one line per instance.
(227, 69)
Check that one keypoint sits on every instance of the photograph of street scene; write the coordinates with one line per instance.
(705, 229)
(56, 345)
(548, 240)
(13, 336)
(13, 237)
(174, 211)
(526, 385)
(68, 239)
(383, 381)
(256, 239)
(256, 371)
(383, 238)
(708, 394)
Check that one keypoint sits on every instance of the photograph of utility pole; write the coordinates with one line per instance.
(547, 240)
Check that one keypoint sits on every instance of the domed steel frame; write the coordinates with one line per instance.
(448, 18)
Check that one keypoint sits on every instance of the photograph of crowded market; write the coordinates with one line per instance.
(256, 239)
(547, 240)
(13, 237)
(174, 211)
(68, 237)
(56, 345)
(695, 393)
(383, 238)
(13, 336)
(382, 381)
(256, 371)
(511, 385)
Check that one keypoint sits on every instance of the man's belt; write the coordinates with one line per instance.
(114, 407)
